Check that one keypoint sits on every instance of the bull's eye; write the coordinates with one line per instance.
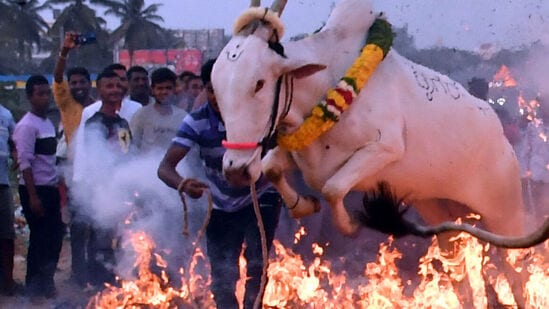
(260, 83)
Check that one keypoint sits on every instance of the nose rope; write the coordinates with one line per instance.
(268, 141)
(272, 120)
(289, 96)
(264, 252)
(239, 146)
(252, 157)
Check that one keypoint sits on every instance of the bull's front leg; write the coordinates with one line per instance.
(275, 164)
(363, 164)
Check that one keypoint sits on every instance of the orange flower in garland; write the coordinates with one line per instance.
(326, 113)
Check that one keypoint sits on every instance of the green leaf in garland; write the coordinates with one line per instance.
(327, 114)
(381, 34)
(351, 81)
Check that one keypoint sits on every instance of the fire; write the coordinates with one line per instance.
(294, 283)
(150, 289)
(503, 77)
(538, 285)
(299, 234)
(528, 108)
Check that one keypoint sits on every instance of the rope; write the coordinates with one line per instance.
(196, 242)
(185, 217)
(180, 190)
(264, 252)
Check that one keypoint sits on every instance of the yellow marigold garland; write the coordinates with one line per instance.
(328, 111)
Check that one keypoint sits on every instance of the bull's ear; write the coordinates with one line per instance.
(306, 70)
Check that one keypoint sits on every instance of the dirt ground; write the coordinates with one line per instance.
(69, 294)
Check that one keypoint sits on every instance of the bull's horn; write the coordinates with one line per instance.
(278, 6)
(255, 3)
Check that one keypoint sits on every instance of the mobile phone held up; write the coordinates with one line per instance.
(85, 38)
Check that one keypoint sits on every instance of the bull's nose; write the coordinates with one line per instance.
(238, 177)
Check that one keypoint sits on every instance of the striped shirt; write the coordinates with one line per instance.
(36, 144)
(204, 128)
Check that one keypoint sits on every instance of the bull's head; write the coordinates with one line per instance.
(244, 79)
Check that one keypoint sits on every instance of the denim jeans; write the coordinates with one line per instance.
(225, 235)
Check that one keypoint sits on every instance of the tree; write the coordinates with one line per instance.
(138, 25)
(77, 16)
(22, 28)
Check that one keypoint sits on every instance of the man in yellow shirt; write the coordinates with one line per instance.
(72, 95)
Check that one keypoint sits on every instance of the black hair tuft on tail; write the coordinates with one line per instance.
(383, 211)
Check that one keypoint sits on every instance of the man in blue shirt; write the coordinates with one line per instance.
(233, 221)
(7, 232)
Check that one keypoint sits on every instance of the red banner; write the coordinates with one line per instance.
(178, 60)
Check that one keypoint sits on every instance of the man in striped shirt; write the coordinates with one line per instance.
(35, 140)
(232, 222)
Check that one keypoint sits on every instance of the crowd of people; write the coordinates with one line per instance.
(134, 114)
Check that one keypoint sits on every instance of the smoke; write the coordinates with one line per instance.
(122, 192)
(536, 73)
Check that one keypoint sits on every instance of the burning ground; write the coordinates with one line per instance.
(308, 269)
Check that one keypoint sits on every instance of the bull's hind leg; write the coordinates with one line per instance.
(506, 217)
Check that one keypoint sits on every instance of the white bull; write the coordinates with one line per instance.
(411, 127)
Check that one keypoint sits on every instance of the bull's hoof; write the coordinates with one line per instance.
(342, 221)
(349, 230)
(305, 206)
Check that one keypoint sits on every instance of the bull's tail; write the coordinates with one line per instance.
(384, 211)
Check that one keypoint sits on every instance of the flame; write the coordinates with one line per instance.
(538, 283)
(503, 77)
(529, 109)
(299, 234)
(294, 283)
(241, 283)
(150, 289)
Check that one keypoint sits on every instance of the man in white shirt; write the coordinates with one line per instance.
(154, 126)
(128, 106)
(126, 110)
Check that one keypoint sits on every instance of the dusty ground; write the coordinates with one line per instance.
(70, 296)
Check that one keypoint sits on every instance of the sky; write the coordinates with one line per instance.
(464, 24)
